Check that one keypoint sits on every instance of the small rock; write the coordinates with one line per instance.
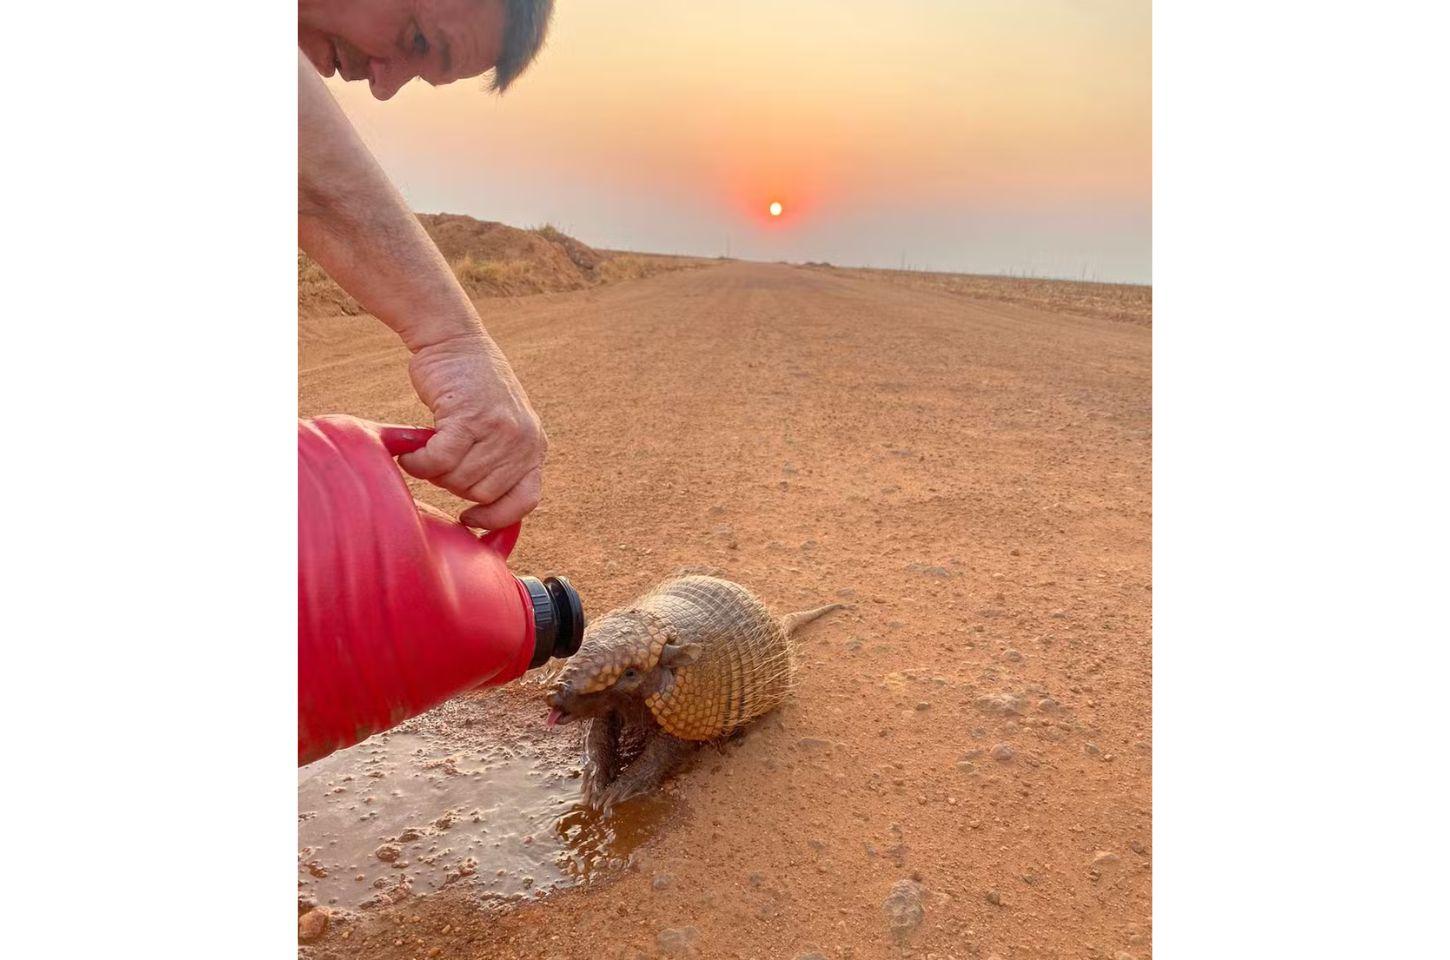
(1103, 862)
(661, 881)
(930, 571)
(1003, 752)
(903, 909)
(923, 706)
(1003, 704)
(811, 956)
(1137, 847)
(677, 941)
(312, 925)
(1091, 749)
(994, 898)
(1048, 705)
(812, 743)
(1012, 655)
(388, 852)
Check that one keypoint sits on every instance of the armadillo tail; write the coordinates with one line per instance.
(791, 622)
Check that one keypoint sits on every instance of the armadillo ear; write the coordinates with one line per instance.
(676, 654)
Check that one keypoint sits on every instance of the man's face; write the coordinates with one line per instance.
(389, 42)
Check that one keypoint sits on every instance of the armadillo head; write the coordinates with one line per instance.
(625, 656)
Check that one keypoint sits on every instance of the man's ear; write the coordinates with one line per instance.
(676, 654)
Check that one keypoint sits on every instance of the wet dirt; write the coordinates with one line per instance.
(465, 796)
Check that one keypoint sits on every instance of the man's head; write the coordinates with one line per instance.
(389, 42)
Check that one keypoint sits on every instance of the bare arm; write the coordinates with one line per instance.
(490, 446)
(353, 222)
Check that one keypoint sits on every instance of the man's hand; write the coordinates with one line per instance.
(489, 446)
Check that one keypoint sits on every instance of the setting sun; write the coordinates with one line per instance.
(775, 208)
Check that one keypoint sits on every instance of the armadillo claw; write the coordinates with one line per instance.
(589, 786)
(613, 795)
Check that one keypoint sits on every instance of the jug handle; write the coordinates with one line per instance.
(400, 440)
(502, 540)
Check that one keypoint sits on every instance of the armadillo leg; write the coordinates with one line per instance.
(662, 756)
(601, 757)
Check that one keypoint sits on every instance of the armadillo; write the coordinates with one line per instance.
(691, 661)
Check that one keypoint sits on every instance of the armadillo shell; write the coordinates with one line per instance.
(746, 665)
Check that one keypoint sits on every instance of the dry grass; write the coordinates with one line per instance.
(634, 266)
(553, 234)
(507, 278)
(496, 260)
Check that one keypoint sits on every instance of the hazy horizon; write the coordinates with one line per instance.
(981, 137)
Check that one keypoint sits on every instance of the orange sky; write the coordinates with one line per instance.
(975, 135)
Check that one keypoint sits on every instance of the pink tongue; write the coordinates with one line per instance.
(554, 716)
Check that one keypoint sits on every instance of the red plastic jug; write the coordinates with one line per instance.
(400, 607)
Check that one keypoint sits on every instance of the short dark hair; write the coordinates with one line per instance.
(523, 38)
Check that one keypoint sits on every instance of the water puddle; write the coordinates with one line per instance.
(455, 798)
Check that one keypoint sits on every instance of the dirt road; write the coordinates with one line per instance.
(973, 476)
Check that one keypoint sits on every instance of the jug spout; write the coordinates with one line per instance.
(558, 618)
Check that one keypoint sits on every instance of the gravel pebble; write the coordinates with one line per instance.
(312, 925)
(1003, 752)
(903, 909)
(677, 941)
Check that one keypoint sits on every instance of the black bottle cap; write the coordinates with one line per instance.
(558, 618)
